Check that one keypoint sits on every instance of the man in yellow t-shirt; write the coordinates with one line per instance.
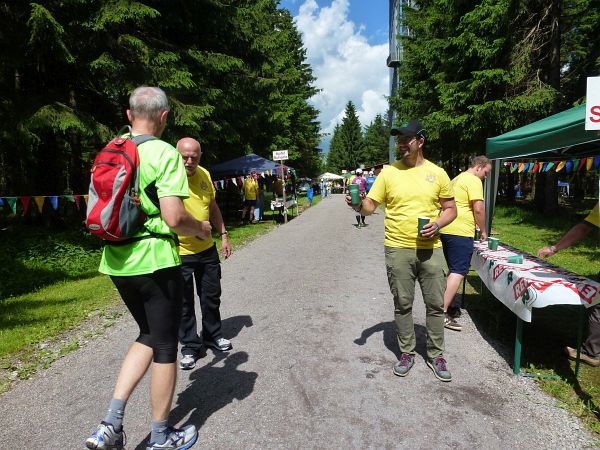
(590, 350)
(457, 238)
(250, 196)
(200, 262)
(410, 188)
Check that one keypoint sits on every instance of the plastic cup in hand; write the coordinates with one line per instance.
(493, 243)
(515, 259)
(354, 194)
(477, 234)
(422, 222)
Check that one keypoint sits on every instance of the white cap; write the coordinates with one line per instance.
(359, 170)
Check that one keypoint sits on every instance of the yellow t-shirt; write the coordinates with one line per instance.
(467, 188)
(594, 217)
(250, 187)
(202, 192)
(410, 192)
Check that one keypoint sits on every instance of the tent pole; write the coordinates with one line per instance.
(490, 193)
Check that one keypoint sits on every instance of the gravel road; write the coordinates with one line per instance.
(310, 316)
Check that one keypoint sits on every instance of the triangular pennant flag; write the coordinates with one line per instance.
(262, 174)
(25, 202)
(77, 199)
(54, 201)
(85, 197)
(39, 201)
(1, 201)
(536, 167)
(12, 201)
(560, 166)
(521, 167)
(69, 198)
(226, 182)
(215, 184)
(549, 166)
(568, 165)
(530, 169)
(222, 184)
(589, 164)
(240, 180)
(513, 167)
(596, 161)
(582, 163)
(234, 181)
(543, 167)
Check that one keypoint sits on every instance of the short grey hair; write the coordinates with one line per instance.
(147, 102)
(479, 161)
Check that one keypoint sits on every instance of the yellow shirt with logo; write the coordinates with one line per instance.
(250, 188)
(202, 192)
(594, 217)
(410, 192)
(467, 188)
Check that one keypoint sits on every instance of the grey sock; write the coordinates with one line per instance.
(115, 413)
(159, 432)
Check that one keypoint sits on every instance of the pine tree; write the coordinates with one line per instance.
(376, 142)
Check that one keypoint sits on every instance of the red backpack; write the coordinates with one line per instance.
(113, 209)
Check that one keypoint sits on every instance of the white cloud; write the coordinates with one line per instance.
(346, 66)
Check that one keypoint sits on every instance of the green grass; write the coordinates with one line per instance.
(553, 327)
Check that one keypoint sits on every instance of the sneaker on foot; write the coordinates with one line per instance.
(177, 439)
(452, 324)
(441, 372)
(188, 362)
(106, 438)
(406, 362)
(220, 344)
(583, 357)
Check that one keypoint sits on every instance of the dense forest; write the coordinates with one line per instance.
(235, 73)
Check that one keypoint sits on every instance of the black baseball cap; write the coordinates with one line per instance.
(410, 128)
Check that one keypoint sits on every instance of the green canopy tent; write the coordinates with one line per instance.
(560, 136)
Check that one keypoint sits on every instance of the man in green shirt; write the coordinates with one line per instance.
(147, 275)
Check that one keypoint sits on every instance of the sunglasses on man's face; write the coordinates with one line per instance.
(405, 140)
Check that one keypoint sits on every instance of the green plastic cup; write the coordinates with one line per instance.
(422, 222)
(515, 259)
(493, 243)
(354, 193)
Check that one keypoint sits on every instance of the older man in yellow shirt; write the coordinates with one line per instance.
(200, 262)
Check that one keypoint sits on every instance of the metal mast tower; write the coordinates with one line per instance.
(397, 28)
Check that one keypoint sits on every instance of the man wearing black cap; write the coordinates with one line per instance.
(411, 188)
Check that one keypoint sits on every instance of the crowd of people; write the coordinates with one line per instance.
(174, 254)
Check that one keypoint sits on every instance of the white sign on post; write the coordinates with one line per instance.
(592, 104)
(280, 155)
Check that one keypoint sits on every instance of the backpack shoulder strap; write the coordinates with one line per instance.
(138, 140)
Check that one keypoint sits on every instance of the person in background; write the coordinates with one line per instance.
(200, 262)
(590, 350)
(370, 180)
(147, 275)
(362, 188)
(250, 196)
(413, 187)
(457, 237)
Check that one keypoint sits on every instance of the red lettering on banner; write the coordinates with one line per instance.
(595, 111)
(520, 287)
(498, 269)
(587, 292)
(540, 286)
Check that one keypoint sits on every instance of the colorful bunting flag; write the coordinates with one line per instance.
(589, 164)
(560, 166)
(12, 202)
(568, 165)
(77, 199)
(39, 201)
(25, 202)
(536, 166)
(582, 163)
(596, 161)
(54, 201)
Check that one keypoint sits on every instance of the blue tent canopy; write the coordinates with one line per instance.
(243, 166)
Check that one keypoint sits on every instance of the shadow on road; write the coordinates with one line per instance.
(212, 388)
(390, 339)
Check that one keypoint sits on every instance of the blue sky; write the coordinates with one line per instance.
(347, 46)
